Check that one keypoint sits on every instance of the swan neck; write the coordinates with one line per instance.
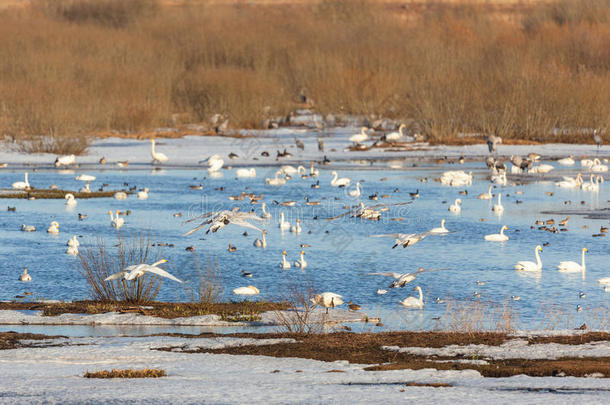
(538, 261)
(583, 261)
(421, 296)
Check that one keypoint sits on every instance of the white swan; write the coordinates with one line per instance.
(73, 242)
(120, 195)
(53, 228)
(301, 263)
(497, 237)
(285, 264)
(570, 182)
(245, 172)
(439, 230)
(394, 136)
(498, 208)
(355, 193)
(289, 170)
(70, 200)
(487, 195)
(284, 225)
(456, 178)
(591, 186)
(116, 222)
(573, 267)
(531, 266)
(143, 194)
(360, 137)
(276, 181)
(22, 185)
(587, 163)
(85, 177)
(85, 189)
(28, 228)
(499, 178)
(25, 277)
(456, 206)
(598, 166)
(327, 300)
(265, 214)
(542, 168)
(157, 156)
(65, 160)
(296, 228)
(72, 250)
(214, 163)
(138, 270)
(249, 290)
(604, 281)
(568, 161)
(339, 182)
(412, 302)
(262, 242)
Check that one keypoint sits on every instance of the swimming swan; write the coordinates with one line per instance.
(497, 237)
(22, 185)
(440, 230)
(301, 263)
(456, 206)
(70, 200)
(249, 290)
(339, 182)
(531, 266)
(412, 302)
(498, 208)
(573, 267)
(487, 195)
(285, 264)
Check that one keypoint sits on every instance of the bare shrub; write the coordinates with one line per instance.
(208, 288)
(298, 316)
(97, 263)
(479, 316)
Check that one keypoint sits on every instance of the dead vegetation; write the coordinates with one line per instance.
(366, 348)
(72, 68)
(127, 373)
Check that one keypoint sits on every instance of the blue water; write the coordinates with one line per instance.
(342, 251)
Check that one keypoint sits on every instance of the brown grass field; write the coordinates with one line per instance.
(72, 69)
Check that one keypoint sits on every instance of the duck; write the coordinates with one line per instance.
(22, 185)
(296, 228)
(158, 157)
(301, 263)
(355, 193)
(284, 226)
(531, 266)
(249, 290)
(262, 242)
(412, 302)
(327, 300)
(497, 237)
(232, 248)
(25, 277)
(439, 230)
(53, 228)
(573, 267)
(339, 182)
(117, 222)
(28, 228)
(122, 163)
(143, 194)
(415, 194)
(285, 264)
(498, 208)
(70, 200)
(245, 273)
(456, 206)
(487, 195)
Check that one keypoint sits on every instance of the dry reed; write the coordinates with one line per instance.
(74, 68)
(126, 373)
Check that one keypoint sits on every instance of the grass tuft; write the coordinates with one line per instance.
(127, 373)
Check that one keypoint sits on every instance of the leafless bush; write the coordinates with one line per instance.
(127, 373)
(299, 316)
(97, 263)
(209, 287)
(479, 316)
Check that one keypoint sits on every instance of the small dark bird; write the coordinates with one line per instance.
(353, 307)
(82, 217)
(244, 273)
(190, 249)
(265, 153)
(12, 209)
(415, 194)
(299, 144)
(103, 161)
(320, 145)
(232, 248)
(233, 156)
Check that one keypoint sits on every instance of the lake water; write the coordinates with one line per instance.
(341, 252)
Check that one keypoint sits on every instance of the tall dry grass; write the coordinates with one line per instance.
(71, 68)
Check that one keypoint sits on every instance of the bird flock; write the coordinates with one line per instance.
(215, 221)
